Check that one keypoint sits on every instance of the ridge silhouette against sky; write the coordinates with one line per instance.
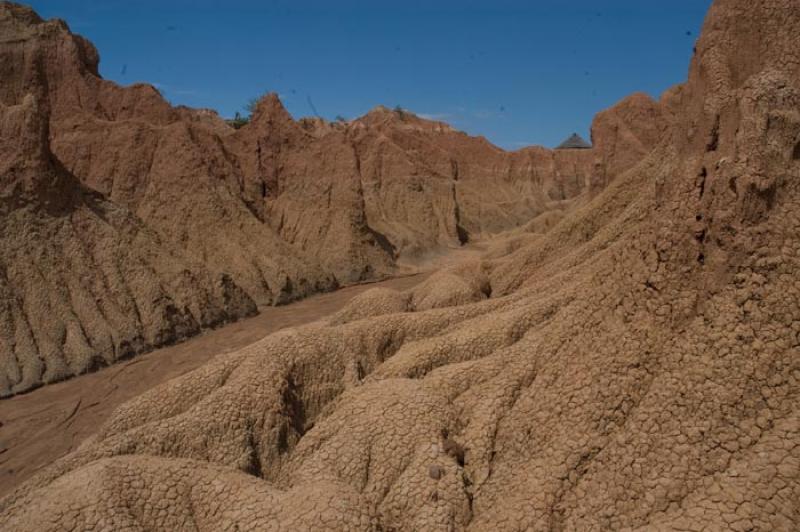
(516, 72)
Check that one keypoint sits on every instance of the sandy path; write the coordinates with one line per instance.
(40, 426)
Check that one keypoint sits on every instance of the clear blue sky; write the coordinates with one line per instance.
(516, 72)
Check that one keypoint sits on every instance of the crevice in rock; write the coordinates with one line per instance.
(255, 467)
(700, 236)
(454, 169)
(461, 233)
(713, 141)
(452, 448)
(383, 242)
(732, 186)
(388, 346)
(294, 410)
(701, 182)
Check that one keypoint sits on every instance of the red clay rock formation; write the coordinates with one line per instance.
(308, 189)
(278, 209)
(624, 134)
(84, 282)
(426, 185)
(168, 165)
(635, 368)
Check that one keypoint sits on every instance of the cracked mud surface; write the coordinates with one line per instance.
(633, 366)
(38, 427)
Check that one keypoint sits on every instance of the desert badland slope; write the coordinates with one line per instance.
(635, 367)
(41, 426)
(76, 269)
(268, 213)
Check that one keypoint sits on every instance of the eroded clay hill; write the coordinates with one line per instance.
(636, 367)
(426, 185)
(277, 210)
(83, 281)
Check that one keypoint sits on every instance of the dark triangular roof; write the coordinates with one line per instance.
(574, 142)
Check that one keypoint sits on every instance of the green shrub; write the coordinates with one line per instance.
(238, 121)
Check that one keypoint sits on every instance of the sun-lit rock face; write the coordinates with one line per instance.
(634, 366)
(84, 283)
(276, 210)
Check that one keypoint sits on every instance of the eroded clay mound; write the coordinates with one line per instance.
(283, 208)
(465, 283)
(372, 303)
(636, 367)
(279, 209)
(427, 185)
(84, 282)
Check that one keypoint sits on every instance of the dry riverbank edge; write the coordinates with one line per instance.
(38, 427)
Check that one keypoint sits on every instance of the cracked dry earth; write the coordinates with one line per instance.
(636, 367)
(38, 427)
